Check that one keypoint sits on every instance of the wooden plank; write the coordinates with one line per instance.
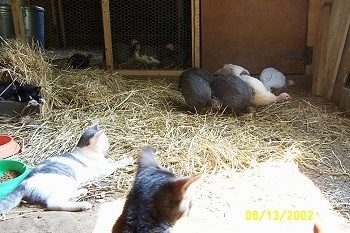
(314, 12)
(196, 45)
(343, 72)
(345, 100)
(338, 29)
(107, 34)
(151, 73)
(54, 22)
(320, 50)
(18, 19)
(63, 27)
(14, 109)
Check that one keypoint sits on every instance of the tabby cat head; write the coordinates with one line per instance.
(171, 195)
(94, 139)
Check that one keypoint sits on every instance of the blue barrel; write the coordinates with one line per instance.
(33, 19)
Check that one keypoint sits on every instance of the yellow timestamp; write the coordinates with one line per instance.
(279, 215)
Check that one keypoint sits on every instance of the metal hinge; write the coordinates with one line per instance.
(308, 53)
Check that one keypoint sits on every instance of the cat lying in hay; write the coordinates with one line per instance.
(57, 181)
(157, 199)
(27, 93)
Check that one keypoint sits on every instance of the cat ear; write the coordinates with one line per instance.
(95, 126)
(181, 185)
(147, 158)
(96, 136)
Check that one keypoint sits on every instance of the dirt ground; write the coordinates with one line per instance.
(32, 219)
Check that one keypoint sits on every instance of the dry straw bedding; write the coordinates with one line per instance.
(138, 112)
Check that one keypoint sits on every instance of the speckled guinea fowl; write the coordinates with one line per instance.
(261, 96)
(233, 93)
(194, 84)
(203, 73)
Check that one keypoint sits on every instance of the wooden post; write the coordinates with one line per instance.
(343, 72)
(107, 34)
(18, 19)
(180, 22)
(338, 30)
(54, 22)
(63, 29)
(195, 33)
(345, 100)
(313, 18)
(320, 50)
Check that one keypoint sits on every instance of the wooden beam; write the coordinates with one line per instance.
(314, 14)
(107, 34)
(14, 109)
(18, 19)
(345, 100)
(320, 51)
(151, 73)
(343, 72)
(338, 29)
(63, 27)
(196, 61)
(54, 22)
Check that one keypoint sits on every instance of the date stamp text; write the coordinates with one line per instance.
(279, 215)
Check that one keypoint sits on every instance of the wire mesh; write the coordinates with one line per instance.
(162, 30)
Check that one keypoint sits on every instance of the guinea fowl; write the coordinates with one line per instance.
(232, 69)
(274, 80)
(233, 93)
(79, 61)
(194, 84)
(261, 95)
(203, 73)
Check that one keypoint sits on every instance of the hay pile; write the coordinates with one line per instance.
(19, 61)
(25, 64)
(139, 112)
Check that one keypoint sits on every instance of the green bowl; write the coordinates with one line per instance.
(11, 165)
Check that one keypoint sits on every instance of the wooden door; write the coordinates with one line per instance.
(254, 34)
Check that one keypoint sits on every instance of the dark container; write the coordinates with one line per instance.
(33, 19)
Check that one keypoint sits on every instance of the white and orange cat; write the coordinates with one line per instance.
(56, 182)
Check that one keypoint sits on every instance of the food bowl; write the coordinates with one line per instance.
(15, 166)
(8, 146)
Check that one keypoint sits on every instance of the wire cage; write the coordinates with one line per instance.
(162, 29)
(141, 29)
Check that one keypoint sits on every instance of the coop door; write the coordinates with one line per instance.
(254, 34)
(162, 29)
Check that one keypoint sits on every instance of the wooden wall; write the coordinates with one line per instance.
(331, 66)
